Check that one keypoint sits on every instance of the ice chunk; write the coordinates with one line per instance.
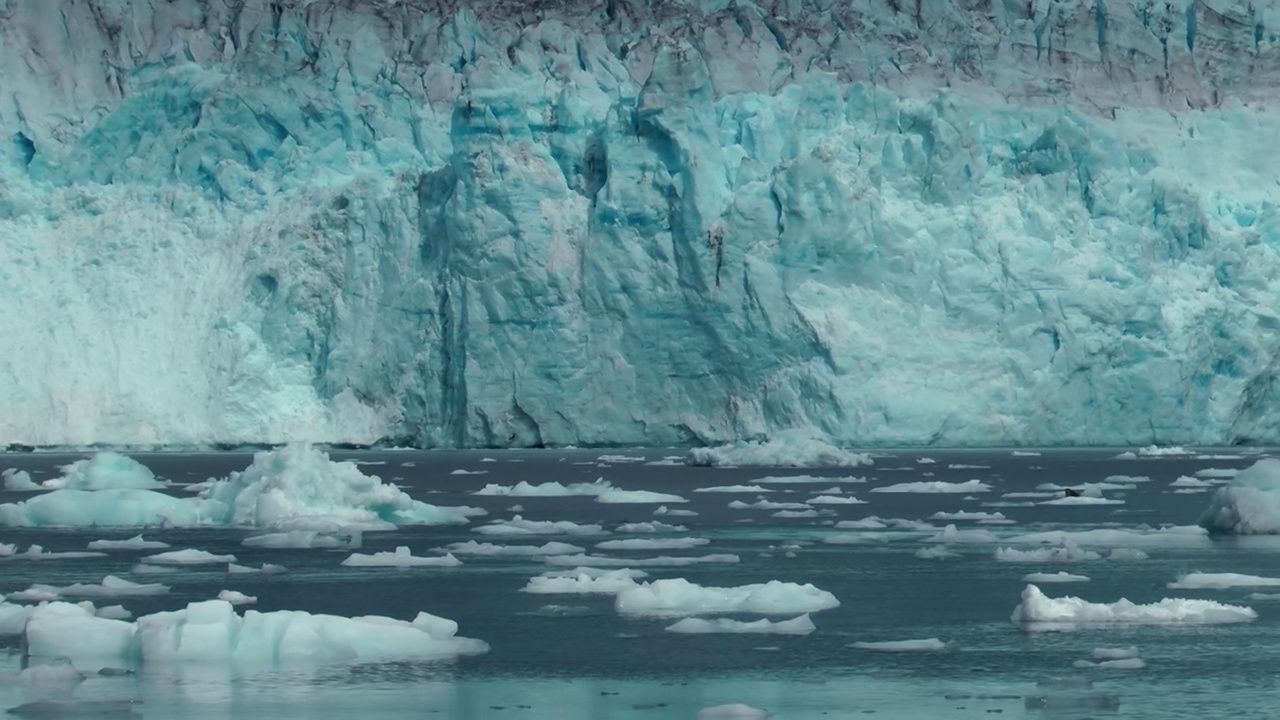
(683, 543)
(802, 513)
(1121, 664)
(1170, 536)
(1123, 653)
(925, 645)
(679, 597)
(114, 612)
(624, 497)
(583, 582)
(938, 552)
(19, 481)
(548, 489)
(35, 594)
(952, 534)
(187, 557)
(649, 527)
(36, 552)
(1249, 504)
(733, 711)
(1082, 500)
(212, 631)
(660, 561)
(1123, 554)
(1067, 552)
(1094, 489)
(1221, 473)
(1157, 451)
(1056, 577)
(806, 480)
(835, 500)
(801, 625)
(237, 598)
(734, 489)
(137, 542)
(517, 525)
(763, 504)
(303, 539)
(1190, 482)
(967, 515)
(471, 547)
(1221, 581)
(935, 486)
(925, 461)
(675, 512)
(620, 459)
(296, 487)
(105, 471)
(1036, 611)
(463, 471)
(266, 569)
(113, 587)
(789, 448)
(401, 558)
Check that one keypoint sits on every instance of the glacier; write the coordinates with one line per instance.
(635, 222)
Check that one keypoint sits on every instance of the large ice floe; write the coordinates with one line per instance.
(789, 448)
(213, 631)
(799, 625)
(1040, 612)
(296, 487)
(1249, 504)
(679, 597)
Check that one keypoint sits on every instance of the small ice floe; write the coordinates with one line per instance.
(935, 486)
(1221, 581)
(683, 543)
(137, 542)
(1040, 612)
(400, 558)
(517, 525)
(188, 557)
(237, 598)
(1056, 577)
(923, 645)
(678, 597)
(801, 625)
(471, 547)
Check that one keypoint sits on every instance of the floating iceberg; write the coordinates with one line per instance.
(967, 515)
(584, 582)
(236, 598)
(1221, 581)
(763, 504)
(212, 631)
(471, 547)
(517, 526)
(683, 543)
(952, 534)
(660, 561)
(835, 500)
(105, 471)
(1067, 552)
(110, 587)
(800, 625)
(925, 645)
(400, 558)
(1056, 577)
(19, 481)
(625, 497)
(679, 597)
(1170, 536)
(938, 552)
(790, 448)
(1249, 504)
(303, 540)
(548, 489)
(137, 542)
(1038, 612)
(734, 489)
(188, 557)
(649, 527)
(296, 487)
(935, 486)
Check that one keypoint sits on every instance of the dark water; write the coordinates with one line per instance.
(591, 662)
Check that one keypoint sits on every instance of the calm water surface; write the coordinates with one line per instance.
(583, 660)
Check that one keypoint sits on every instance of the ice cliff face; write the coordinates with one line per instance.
(505, 223)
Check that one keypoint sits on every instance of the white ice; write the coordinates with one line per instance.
(967, 515)
(104, 471)
(1221, 581)
(800, 625)
(675, 512)
(471, 547)
(1038, 611)
(806, 480)
(938, 552)
(402, 557)
(679, 597)
(683, 543)
(188, 557)
(835, 500)
(952, 534)
(1055, 577)
(659, 561)
(788, 448)
(1067, 552)
(518, 526)
(923, 645)
(1249, 504)
(624, 497)
(137, 542)
(734, 489)
(649, 527)
(584, 582)
(302, 540)
(19, 481)
(547, 489)
(935, 486)
(763, 504)
(237, 598)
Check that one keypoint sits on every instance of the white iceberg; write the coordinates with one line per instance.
(583, 581)
(1221, 581)
(1079, 500)
(1056, 577)
(789, 448)
(1249, 504)
(471, 547)
(212, 631)
(679, 597)
(763, 504)
(683, 543)
(660, 561)
(400, 558)
(675, 512)
(1037, 611)
(16, 480)
(548, 489)
(655, 526)
(137, 542)
(734, 489)
(952, 534)
(237, 598)
(518, 526)
(935, 486)
(938, 552)
(967, 515)
(801, 625)
(105, 471)
(1067, 552)
(303, 540)
(1170, 536)
(637, 497)
(188, 557)
(806, 480)
(924, 645)
(835, 500)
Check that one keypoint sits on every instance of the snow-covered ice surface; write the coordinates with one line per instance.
(543, 591)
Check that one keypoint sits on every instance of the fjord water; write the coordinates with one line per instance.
(573, 656)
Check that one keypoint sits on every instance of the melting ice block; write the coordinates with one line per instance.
(402, 558)
(105, 471)
(212, 630)
(679, 597)
(1039, 612)
(1249, 504)
(789, 448)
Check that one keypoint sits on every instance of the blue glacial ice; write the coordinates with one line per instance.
(675, 221)
(294, 488)
(1249, 504)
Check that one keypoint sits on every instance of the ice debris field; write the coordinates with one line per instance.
(122, 573)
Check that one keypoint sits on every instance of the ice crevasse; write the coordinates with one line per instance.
(638, 222)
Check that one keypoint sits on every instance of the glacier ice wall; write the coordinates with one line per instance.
(628, 222)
